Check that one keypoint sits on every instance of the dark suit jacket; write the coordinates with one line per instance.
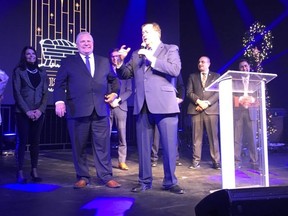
(196, 91)
(26, 96)
(180, 87)
(154, 85)
(125, 93)
(81, 92)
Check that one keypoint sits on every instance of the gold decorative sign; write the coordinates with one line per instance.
(54, 27)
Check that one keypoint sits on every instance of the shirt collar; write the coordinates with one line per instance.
(91, 55)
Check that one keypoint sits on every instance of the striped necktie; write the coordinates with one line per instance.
(203, 78)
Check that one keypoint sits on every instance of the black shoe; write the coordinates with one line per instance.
(35, 178)
(178, 163)
(20, 177)
(21, 180)
(154, 164)
(238, 166)
(216, 166)
(254, 166)
(195, 165)
(175, 189)
(141, 188)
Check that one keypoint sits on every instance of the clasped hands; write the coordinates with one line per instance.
(246, 100)
(202, 105)
(115, 103)
(34, 115)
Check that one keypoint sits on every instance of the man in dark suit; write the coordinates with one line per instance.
(155, 68)
(81, 91)
(118, 112)
(245, 121)
(204, 109)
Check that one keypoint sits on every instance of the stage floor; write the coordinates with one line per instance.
(56, 196)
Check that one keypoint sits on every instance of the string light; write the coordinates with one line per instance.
(258, 45)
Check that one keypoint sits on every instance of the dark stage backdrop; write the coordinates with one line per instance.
(117, 22)
(219, 36)
(113, 23)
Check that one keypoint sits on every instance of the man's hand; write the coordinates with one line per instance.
(115, 103)
(199, 109)
(179, 100)
(202, 104)
(110, 97)
(60, 109)
(246, 101)
(148, 54)
(123, 52)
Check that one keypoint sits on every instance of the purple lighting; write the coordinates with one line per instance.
(33, 188)
(115, 206)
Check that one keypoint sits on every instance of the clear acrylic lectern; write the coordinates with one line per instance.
(232, 86)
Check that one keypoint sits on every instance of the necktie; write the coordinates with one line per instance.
(203, 79)
(88, 63)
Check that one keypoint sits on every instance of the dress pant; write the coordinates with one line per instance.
(167, 125)
(98, 128)
(156, 145)
(244, 125)
(28, 131)
(211, 125)
(120, 117)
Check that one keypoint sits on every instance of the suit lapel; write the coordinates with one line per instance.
(83, 66)
(209, 79)
(156, 54)
(158, 50)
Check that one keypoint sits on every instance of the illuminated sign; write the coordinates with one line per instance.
(54, 27)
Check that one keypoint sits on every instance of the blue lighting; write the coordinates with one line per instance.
(244, 12)
(275, 57)
(33, 188)
(115, 206)
(135, 16)
(231, 61)
(278, 20)
(208, 33)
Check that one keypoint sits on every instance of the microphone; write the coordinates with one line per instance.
(143, 46)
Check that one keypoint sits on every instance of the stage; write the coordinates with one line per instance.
(55, 194)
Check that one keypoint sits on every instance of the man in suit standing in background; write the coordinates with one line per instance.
(204, 109)
(118, 112)
(245, 121)
(155, 68)
(81, 91)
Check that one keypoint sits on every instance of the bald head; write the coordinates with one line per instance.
(204, 64)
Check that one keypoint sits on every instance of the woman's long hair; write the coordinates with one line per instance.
(23, 62)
